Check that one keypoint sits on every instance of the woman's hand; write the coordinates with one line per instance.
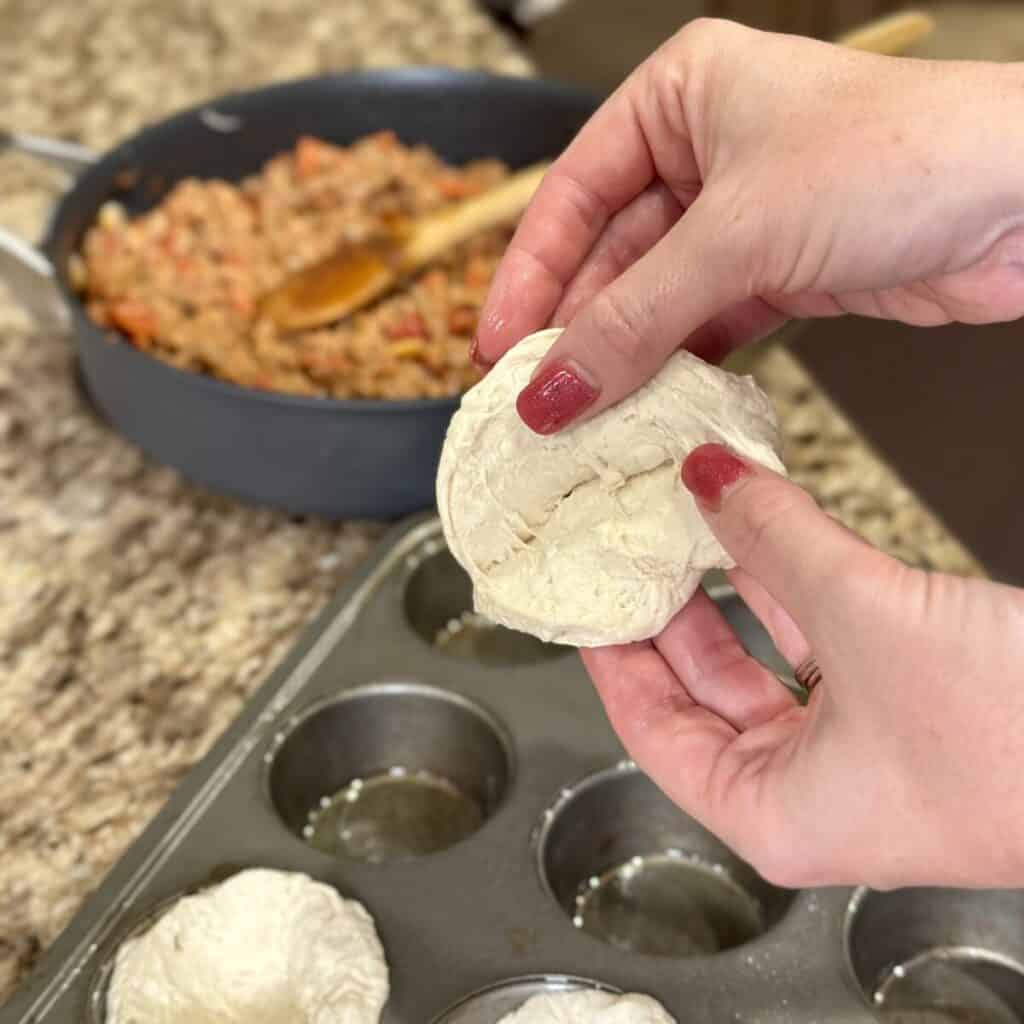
(739, 178)
(905, 765)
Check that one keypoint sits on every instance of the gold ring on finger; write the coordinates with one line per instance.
(808, 674)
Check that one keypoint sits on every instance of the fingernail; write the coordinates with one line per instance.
(555, 397)
(474, 355)
(709, 471)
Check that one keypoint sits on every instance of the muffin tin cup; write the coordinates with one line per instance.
(99, 983)
(493, 1002)
(939, 954)
(439, 607)
(133, 928)
(626, 866)
(518, 749)
(390, 771)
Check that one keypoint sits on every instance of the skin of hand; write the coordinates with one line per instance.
(903, 767)
(738, 178)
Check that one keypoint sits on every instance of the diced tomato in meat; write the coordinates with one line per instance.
(136, 319)
(462, 320)
(311, 156)
(435, 280)
(325, 362)
(384, 140)
(476, 275)
(171, 242)
(454, 187)
(412, 325)
(241, 299)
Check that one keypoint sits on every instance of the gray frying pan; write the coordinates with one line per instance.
(308, 456)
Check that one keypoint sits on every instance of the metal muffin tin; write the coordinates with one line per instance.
(397, 683)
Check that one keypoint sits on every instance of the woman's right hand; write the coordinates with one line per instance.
(738, 178)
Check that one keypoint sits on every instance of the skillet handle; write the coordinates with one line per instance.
(26, 271)
(30, 277)
(66, 156)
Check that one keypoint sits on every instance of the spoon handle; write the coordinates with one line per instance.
(503, 204)
(890, 35)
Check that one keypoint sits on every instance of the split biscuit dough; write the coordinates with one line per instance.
(588, 537)
(589, 1007)
(263, 947)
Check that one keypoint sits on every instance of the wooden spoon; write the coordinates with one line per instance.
(341, 284)
(348, 280)
(890, 35)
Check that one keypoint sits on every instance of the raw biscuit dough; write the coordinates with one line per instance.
(588, 537)
(264, 947)
(589, 1007)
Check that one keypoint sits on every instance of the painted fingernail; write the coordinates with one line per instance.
(555, 397)
(476, 358)
(709, 471)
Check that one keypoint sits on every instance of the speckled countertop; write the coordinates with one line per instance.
(137, 613)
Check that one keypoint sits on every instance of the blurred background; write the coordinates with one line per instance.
(597, 42)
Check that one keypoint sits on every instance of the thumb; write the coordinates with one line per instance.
(624, 334)
(776, 532)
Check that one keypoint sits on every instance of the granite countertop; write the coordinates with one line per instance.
(137, 612)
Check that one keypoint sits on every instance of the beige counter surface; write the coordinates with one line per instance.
(137, 613)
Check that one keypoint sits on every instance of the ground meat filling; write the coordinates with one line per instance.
(183, 281)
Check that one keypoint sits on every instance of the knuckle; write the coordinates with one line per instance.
(708, 40)
(765, 515)
(677, 76)
(623, 249)
(583, 205)
(703, 34)
(614, 327)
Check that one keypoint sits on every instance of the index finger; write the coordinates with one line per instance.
(607, 165)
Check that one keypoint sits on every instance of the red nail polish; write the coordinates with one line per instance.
(709, 470)
(474, 355)
(555, 397)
